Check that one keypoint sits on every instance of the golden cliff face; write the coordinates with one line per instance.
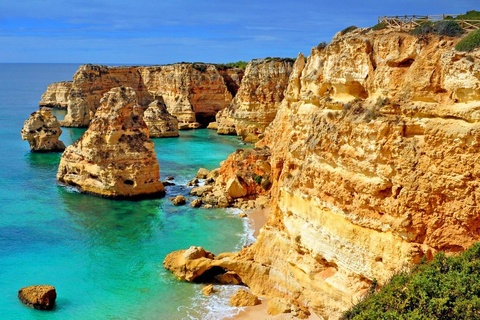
(56, 95)
(160, 123)
(192, 93)
(115, 156)
(374, 164)
(257, 100)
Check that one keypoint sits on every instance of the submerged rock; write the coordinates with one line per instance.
(160, 123)
(115, 156)
(40, 297)
(42, 131)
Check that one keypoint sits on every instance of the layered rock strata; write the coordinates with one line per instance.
(374, 164)
(42, 131)
(193, 93)
(160, 123)
(256, 103)
(115, 156)
(56, 95)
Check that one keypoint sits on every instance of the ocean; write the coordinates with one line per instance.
(103, 256)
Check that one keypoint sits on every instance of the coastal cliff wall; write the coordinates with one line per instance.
(258, 98)
(373, 163)
(192, 92)
(374, 157)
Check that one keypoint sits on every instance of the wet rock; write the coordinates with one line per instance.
(196, 203)
(199, 191)
(40, 297)
(243, 298)
(202, 173)
(179, 200)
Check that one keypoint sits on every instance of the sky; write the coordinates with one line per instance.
(161, 32)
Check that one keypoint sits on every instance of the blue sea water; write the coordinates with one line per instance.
(103, 256)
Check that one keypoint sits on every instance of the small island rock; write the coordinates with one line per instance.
(42, 131)
(40, 297)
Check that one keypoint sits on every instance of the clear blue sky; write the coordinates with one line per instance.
(158, 32)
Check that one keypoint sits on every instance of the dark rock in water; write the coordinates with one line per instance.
(40, 297)
(168, 183)
(170, 178)
(179, 200)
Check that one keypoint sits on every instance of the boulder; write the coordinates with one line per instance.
(235, 188)
(278, 306)
(243, 298)
(187, 265)
(213, 126)
(179, 200)
(42, 131)
(202, 173)
(193, 182)
(208, 290)
(199, 191)
(40, 297)
(196, 203)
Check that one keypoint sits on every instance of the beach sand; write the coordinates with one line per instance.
(258, 218)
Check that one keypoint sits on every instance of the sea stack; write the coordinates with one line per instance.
(42, 130)
(41, 297)
(115, 157)
(160, 123)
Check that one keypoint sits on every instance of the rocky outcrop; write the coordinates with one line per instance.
(40, 297)
(115, 156)
(256, 103)
(373, 157)
(56, 95)
(193, 93)
(243, 298)
(42, 131)
(160, 123)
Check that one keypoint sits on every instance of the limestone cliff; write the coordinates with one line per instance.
(42, 131)
(115, 156)
(193, 93)
(374, 164)
(257, 100)
(56, 95)
(160, 123)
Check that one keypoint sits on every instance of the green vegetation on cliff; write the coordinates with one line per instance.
(470, 42)
(445, 288)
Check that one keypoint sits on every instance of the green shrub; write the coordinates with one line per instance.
(231, 65)
(447, 28)
(258, 179)
(322, 45)
(445, 288)
(348, 29)
(423, 29)
(470, 42)
(470, 15)
(379, 26)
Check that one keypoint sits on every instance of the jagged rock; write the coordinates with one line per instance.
(42, 131)
(56, 95)
(114, 157)
(235, 188)
(202, 173)
(160, 123)
(278, 306)
(208, 290)
(167, 183)
(170, 178)
(193, 182)
(40, 297)
(243, 298)
(189, 264)
(199, 191)
(196, 203)
(257, 100)
(212, 126)
(179, 200)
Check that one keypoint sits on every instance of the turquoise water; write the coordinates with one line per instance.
(103, 256)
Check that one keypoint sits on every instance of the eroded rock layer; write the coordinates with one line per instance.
(257, 100)
(193, 93)
(374, 164)
(56, 95)
(42, 131)
(115, 156)
(160, 123)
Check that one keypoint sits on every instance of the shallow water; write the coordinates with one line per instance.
(103, 256)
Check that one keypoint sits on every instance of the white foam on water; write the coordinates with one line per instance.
(247, 237)
(213, 307)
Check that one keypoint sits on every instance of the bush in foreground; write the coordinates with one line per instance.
(470, 42)
(445, 288)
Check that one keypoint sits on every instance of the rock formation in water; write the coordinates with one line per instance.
(40, 297)
(374, 164)
(256, 102)
(160, 123)
(42, 131)
(56, 95)
(193, 93)
(115, 156)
